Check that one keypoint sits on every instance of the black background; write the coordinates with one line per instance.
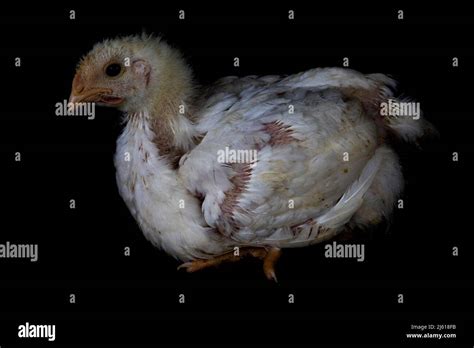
(135, 299)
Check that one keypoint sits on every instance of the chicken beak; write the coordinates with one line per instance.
(81, 94)
(89, 95)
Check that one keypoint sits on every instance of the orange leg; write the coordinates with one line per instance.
(269, 257)
(269, 263)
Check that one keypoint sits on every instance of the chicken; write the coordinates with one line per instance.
(321, 157)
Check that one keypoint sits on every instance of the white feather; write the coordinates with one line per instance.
(352, 199)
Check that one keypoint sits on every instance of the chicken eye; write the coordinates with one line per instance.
(113, 70)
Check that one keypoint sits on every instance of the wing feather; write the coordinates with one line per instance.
(300, 174)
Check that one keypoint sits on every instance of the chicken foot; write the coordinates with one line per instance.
(269, 256)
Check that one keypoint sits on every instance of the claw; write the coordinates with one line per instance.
(269, 263)
(193, 266)
(184, 265)
(270, 274)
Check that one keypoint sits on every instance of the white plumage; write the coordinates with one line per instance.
(323, 157)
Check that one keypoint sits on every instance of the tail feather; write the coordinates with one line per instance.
(401, 117)
(352, 199)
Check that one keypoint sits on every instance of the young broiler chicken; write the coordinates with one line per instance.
(322, 159)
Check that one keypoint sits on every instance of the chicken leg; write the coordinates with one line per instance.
(269, 256)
